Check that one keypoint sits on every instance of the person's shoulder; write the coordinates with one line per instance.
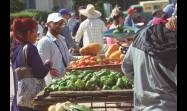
(100, 21)
(31, 47)
(44, 40)
(61, 37)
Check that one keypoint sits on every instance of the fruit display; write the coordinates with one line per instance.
(112, 48)
(68, 106)
(88, 80)
(116, 51)
(90, 49)
(89, 60)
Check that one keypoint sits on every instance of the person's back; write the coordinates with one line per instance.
(93, 29)
(154, 75)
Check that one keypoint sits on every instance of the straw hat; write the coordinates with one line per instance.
(90, 12)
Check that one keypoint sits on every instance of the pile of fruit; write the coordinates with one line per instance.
(115, 51)
(68, 106)
(77, 80)
(92, 61)
(90, 49)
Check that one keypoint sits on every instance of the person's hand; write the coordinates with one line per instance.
(54, 72)
(74, 51)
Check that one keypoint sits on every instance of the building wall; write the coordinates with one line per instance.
(47, 5)
(44, 5)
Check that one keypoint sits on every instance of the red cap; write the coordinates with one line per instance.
(131, 10)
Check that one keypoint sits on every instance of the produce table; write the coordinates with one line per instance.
(41, 101)
(115, 67)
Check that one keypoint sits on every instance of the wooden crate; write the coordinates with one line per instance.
(42, 102)
(114, 67)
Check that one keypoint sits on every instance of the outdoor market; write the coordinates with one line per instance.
(93, 56)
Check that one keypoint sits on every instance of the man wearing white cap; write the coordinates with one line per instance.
(91, 29)
(53, 46)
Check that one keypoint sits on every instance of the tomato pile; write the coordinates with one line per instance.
(93, 61)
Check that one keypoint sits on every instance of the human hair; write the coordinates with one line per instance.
(116, 18)
(21, 26)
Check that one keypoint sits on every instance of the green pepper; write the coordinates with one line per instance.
(105, 87)
(120, 83)
(79, 84)
(109, 81)
(87, 77)
(91, 85)
(115, 87)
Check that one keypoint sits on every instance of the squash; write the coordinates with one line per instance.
(90, 49)
(112, 48)
(52, 108)
(115, 55)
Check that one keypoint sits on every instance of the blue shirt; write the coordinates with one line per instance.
(169, 9)
(69, 41)
(128, 21)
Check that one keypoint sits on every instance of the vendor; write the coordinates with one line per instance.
(129, 20)
(117, 19)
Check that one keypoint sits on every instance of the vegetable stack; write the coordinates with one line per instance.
(76, 80)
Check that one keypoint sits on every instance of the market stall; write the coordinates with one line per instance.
(93, 78)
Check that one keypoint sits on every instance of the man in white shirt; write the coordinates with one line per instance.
(53, 46)
(91, 29)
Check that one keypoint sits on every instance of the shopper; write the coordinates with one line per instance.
(65, 13)
(129, 19)
(76, 26)
(53, 46)
(169, 9)
(72, 21)
(151, 64)
(25, 31)
(117, 20)
(91, 29)
(157, 13)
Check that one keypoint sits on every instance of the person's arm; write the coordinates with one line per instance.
(127, 65)
(75, 28)
(104, 27)
(79, 33)
(43, 47)
(40, 70)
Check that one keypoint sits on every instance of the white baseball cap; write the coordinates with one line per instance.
(54, 17)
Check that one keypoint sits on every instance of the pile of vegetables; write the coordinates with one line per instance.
(68, 106)
(92, 61)
(76, 80)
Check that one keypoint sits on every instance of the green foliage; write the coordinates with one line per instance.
(16, 5)
(30, 14)
(55, 8)
(97, 3)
